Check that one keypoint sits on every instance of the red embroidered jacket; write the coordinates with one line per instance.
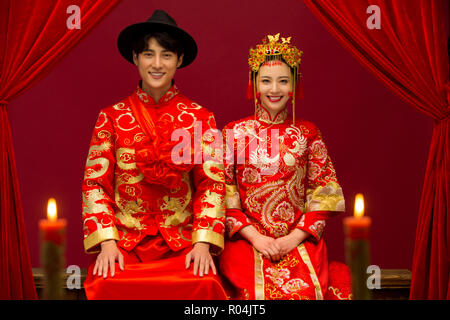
(278, 190)
(132, 188)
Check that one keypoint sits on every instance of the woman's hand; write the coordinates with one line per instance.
(268, 247)
(264, 244)
(106, 259)
(291, 241)
(202, 259)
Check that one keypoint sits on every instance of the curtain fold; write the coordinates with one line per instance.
(409, 55)
(34, 37)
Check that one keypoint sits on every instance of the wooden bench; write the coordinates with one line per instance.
(395, 285)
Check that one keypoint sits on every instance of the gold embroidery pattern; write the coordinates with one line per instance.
(281, 284)
(121, 106)
(214, 170)
(271, 195)
(177, 205)
(94, 202)
(306, 259)
(128, 123)
(101, 120)
(97, 166)
(215, 200)
(264, 199)
(339, 294)
(263, 115)
(259, 276)
(326, 198)
(127, 179)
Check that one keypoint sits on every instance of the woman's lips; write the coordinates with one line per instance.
(274, 99)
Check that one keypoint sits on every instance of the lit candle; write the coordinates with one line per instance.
(53, 236)
(357, 250)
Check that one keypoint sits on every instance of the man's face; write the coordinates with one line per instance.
(157, 67)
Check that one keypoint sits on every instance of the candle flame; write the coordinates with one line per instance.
(51, 210)
(359, 205)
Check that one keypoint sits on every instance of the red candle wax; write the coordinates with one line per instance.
(357, 249)
(53, 236)
(357, 228)
(53, 231)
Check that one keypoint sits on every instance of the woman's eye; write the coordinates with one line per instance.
(284, 81)
(265, 81)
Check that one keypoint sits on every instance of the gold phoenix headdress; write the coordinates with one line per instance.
(272, 49)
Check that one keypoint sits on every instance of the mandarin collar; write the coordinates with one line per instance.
(264, 116)
(150, 102)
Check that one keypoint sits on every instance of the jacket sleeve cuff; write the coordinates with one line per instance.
(313, 223)
(235, 220)
(91, 242)
(213, 238)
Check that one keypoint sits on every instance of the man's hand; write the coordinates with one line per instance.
(202, 259)
(107, 258)
(291, 241)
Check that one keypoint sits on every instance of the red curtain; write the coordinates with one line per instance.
(34, 36)
(409, 55)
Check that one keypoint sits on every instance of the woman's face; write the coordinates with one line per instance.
(274, 85)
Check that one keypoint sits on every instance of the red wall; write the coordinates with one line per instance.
(379, 144)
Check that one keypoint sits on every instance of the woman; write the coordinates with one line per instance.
(281, 188)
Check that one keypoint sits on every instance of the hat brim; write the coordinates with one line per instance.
(132, 33)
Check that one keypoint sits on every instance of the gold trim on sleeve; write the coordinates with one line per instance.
(259, 276)
(325, 198)
(98, 236)
(306, 259)
(232, 199)
(203, 235)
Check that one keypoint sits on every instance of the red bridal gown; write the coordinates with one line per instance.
(277, 187)
(134, 193)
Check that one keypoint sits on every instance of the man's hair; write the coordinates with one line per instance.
(164, 39)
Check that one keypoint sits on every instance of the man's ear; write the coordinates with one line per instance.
(135, 58)
(180, 60)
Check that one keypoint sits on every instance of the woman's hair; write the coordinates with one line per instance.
(165, 40)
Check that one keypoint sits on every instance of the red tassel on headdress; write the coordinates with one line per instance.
(249, 87)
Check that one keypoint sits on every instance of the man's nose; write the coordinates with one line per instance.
(157, 62)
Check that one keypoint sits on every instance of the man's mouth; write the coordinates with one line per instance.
(157, 75)
(274, 98)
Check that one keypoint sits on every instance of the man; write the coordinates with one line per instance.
(155, 216)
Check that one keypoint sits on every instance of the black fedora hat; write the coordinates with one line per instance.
(159, 21)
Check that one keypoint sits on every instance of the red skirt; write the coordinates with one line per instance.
(153, 272)
(303, 274)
